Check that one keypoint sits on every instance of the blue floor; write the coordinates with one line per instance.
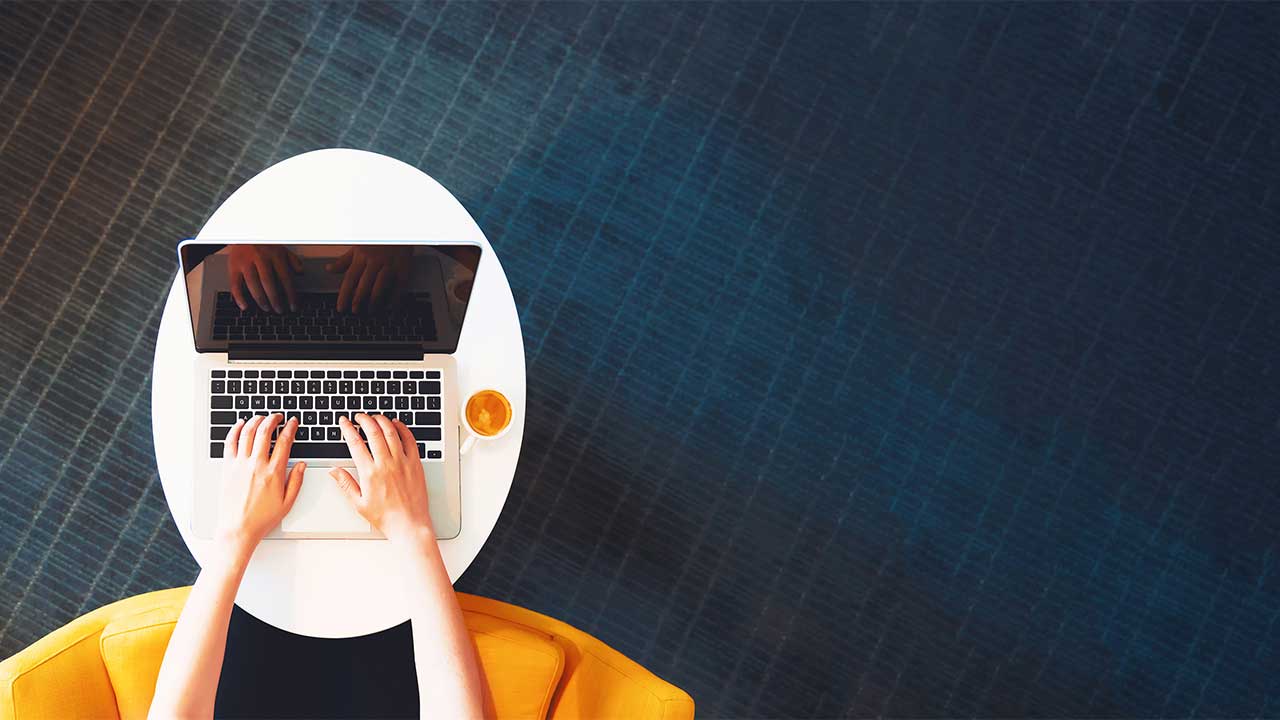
(892, 360)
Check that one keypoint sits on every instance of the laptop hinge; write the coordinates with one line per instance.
(294, 352)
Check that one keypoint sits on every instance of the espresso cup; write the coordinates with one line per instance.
(486, 415)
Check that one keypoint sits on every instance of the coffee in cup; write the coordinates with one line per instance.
(486, 415)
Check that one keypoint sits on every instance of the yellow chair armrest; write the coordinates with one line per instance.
(62, 674)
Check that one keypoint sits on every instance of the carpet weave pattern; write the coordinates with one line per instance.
(907, 360)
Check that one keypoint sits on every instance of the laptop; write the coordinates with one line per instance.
(316, 331)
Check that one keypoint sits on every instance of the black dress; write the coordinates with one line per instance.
(271, 673)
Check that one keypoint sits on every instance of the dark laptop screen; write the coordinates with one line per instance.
(318, 298)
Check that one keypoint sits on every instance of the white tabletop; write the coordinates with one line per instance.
(344, 588)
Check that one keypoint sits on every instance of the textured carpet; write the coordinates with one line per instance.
(903, 360)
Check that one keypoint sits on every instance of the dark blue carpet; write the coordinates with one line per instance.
(903, 360)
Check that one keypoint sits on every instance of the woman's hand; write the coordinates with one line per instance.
(373, 276)
(266, 272)
(392, 491)
(256, 494)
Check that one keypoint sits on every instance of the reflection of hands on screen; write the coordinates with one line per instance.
(266, 273)
(373, 276)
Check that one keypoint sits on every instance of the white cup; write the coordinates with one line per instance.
(471, 435)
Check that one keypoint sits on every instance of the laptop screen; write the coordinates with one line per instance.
(321, 299)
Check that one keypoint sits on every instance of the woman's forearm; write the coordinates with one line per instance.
(188, 680)
(449, 680)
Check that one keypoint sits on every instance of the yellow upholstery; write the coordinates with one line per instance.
(104, 665)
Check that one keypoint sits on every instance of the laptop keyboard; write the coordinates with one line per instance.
(318, 398)
(318, 320)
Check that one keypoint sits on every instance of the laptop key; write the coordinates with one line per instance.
(218, 433)
(434, 455)
(227, 417)
(370, 403)
(417, 402)
(220, 402)
(319, 450)
(416, 374)
(215, 449)
(218, 387)
(273, 402)
(303, 434)
(290, 402)
(433, 403)
(333, 433)
(400, 374)
(426, 433)
(233, 386)
(422, 450)
(258, 402)
(309, 418)
(384, 374)
(219, 373)
(385, 402)
(242, 402)
(306, 401)
(337, 402)
(402, 402)
(426, 418)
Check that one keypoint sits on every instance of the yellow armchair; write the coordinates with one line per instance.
(104, 665)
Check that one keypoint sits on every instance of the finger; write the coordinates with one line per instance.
(270, 283)
(248, 434)
(295, 484)
(262, 438)
(373, 431)
(389, 435)
(254, 284)
(237, 292)
(348, 287)
(407, 441)
(347, 485)
(284, 443)
(342, 263)
(381, 285)
(359, 452)
(233, 439)
(359, 299)
(286, 279)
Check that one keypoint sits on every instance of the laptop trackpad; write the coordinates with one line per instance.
(322, 508)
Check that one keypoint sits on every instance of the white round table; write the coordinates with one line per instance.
(344, 588)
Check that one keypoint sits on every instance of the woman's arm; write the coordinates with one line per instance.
(392, 495)
(256, 495)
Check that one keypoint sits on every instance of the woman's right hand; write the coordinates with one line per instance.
(392, 490)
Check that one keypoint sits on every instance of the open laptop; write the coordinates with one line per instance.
(318, 330)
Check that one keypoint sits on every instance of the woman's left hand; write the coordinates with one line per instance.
(256, 491)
